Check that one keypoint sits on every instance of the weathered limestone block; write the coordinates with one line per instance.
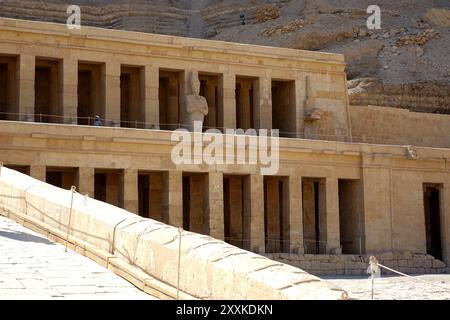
(404, 263)
(386, 256)
(286, 256)
(327, 266)
(438, 264)
(295, 215)
(69, 93)
(417, 263)
(173, 198)
(332, 205)
(227, 100)
(38, 172)
(272, 220)
(111, 76)
(130, 195)
(215, 205)
(25, 92)
(254, 212)
(305, 265)
(407, 255)
(376, 209)
(86, 179)
(420, 270)
(151, 96)
(269, 255)
(394, 264)
(263, 112)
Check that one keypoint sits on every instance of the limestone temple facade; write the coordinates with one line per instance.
(352, 180)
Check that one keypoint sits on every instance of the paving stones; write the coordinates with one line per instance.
(357, 265)
(31, 270)
(395, 287)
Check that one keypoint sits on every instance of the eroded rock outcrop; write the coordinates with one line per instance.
(421, 97)
(438, 17)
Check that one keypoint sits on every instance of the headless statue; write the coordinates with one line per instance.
(196, 105)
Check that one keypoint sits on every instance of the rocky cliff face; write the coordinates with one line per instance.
(404, 65)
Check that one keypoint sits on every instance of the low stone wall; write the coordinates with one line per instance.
(210, 269)
(346, 264)
(385, 125)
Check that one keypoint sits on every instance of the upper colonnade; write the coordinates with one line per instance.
(49, 73)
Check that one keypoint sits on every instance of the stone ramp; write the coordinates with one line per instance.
(210, 269)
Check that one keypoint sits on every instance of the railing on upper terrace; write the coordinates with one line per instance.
(326, 135)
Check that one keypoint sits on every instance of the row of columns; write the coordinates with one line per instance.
(253, 199)
(253, 204)
(111, 70)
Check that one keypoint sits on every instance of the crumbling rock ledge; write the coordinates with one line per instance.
(420, 97)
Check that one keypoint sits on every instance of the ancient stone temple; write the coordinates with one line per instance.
(352, 180)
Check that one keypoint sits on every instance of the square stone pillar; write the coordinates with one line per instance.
(235, 203)
(215, 205)
(445, 220)
(156, 197)
(176, 101)
(254, 213)
(130, 190)
(332, 215)
(263, 107)
(198, 204)
(86, 181)
(272, 212)
(210, 95)
(299, 108)
(244, 106)
(69, 90)
(377, 220)
(178, 91)
(114, 191)
(111, 84)
(309, 216)
(294, 202)
(227, 101)
(25, 92)
(38, 172)
(173, 198)
(150, 91)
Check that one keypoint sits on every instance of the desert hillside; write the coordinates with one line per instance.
(405, 64)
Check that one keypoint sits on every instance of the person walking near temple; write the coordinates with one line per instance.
(98, 121)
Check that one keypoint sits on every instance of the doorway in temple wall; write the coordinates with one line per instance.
(432, 210)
